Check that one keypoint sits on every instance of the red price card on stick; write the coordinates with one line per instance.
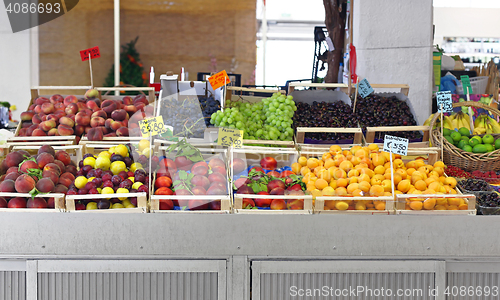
(94, 53)
(219, 79)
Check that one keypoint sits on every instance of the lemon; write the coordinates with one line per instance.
(117, 205)
(117, 167)
(80, 182)
(121, 150)
(143, 144)
(147, 152)
(104, 154)
(102, 162)
(122, 191)
(135, 166)
(89, 161)
(136, 185)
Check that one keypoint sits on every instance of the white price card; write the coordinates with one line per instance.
(399, 145)
(444, 98)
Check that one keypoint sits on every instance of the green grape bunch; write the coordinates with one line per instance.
(269, 119)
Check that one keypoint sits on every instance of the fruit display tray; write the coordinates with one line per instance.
(464, 190)
(320, 202)
(208, 151)
(489, 180)
(142, 203)
(58, 202)
(301, 132)
(416, 143)
(401, 202)
(485, 210)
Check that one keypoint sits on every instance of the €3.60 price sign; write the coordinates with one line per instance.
(395, 145)
(230, 137)
(152, 126)
(444, 99)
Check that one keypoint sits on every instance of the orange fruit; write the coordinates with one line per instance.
(411, 165)
(358, 193)
(324, 174)
(452, 182)
(334, 149)
(420, 185)
(373, 147)
(353, 173)
(380, 205)
(429, 192)
(435, 186)
(328, 191)
(342, 182)
(376, 191)
(454, 201)
(439, 164)
(360, 205)
(310, 186)
(316, 193)
(302, 161)
(379, 170)
(346, 165)
(378, 159)
(452, 207)
(296, 168)
(333, 184)
(329, 163)
(420, 163)
(440, 207)
(364, 186)
(351, 187)
(404, 185)
(463, 206)
(429, 203)
(312, 163)
(340, 191)
(367, 172)
(410, 171)
(387, 184)
(403, 173)
(353, 180)
(342, 205)
(416, 205)
(377, 179)
(326, 156)
(321, 184)
(330, 204)
(318, 169)
(355, 149)
(339, 173)
(304, 171)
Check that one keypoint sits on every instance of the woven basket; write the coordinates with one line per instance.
(467, 161)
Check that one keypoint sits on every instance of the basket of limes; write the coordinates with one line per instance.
(467, 151)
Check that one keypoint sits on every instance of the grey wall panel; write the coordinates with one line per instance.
(12, 285)
(284, 286)
(473, 285)
(127, 286)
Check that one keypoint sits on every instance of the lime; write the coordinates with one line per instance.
(461, 144)
(446, 131)
(488, 139)
(456, 136)
(497, 144)
(117, 167)
(489, 147)
(102, 162)
(464, 131)
(473, 142)
(480, 148)
(467, 148)
(449, 139)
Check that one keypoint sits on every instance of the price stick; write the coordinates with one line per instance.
(356, 95)
(392, 174)
(467, 88)
(442, 135)
(91, 77)
(89, 54)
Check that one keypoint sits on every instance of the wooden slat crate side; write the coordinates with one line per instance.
(238, 204)
(142, 203)
(401, 201)
(319, 205)
(343, 87)
(225, 200)
(301, 131)
(371, 131)
(59, 204)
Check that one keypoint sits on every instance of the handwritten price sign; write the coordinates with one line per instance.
(395, 145)
(219, 79)
(152, 126)
(94, 53)
(444, 98)
(230, 137)
(364, 88)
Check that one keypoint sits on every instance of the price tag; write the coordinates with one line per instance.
(217, 80)
(466, 84)
(444, 98)
(153, 126)
(230, 137)
(364, 88)
(94, 53)
(399, 145)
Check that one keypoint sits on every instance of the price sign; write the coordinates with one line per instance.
(444, 98)
(230, 137)
(219, 79)
(466, 84)
(399, 145)
(94, 53)
(364, 88)
(152, 126)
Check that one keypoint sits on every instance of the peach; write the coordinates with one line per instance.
(91, 104)
(41, 100)
(97, 121)
(81, 106)
(67, 121)
(109, 106)
(48, 108)
(38, 132)
(47, 125)
(79, 130)
(71, 108)
(52, 167)
(24, 183)
(82, 118)
(65, 130)
(60, 189)
(45, 185)
(130, 109)
(119, 115)
(100, 113)
(95, 134)
(115, 125)
(70, 99)
(27, 115)
(8, 186)
(61, 165)
(122, 131)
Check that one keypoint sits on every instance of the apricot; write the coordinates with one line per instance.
(416, 205)
(404, 185)
(376, 191)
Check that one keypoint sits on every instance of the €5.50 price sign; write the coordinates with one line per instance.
(230, 137)
(444, 99)
(152, 126)
(395, 145)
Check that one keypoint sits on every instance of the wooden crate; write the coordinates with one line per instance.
(208, 151)
(403, 88)
(372, 131)
(142, 203)
(238, 201)
(89, 146)
(343, 87)
(237, 91)
(44, 140)
(301, 132)
(58, 202)
(319, 205)
(401, 201)
(75, 151)
(151, 92)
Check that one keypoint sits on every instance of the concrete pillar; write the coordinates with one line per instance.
(393, 40)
